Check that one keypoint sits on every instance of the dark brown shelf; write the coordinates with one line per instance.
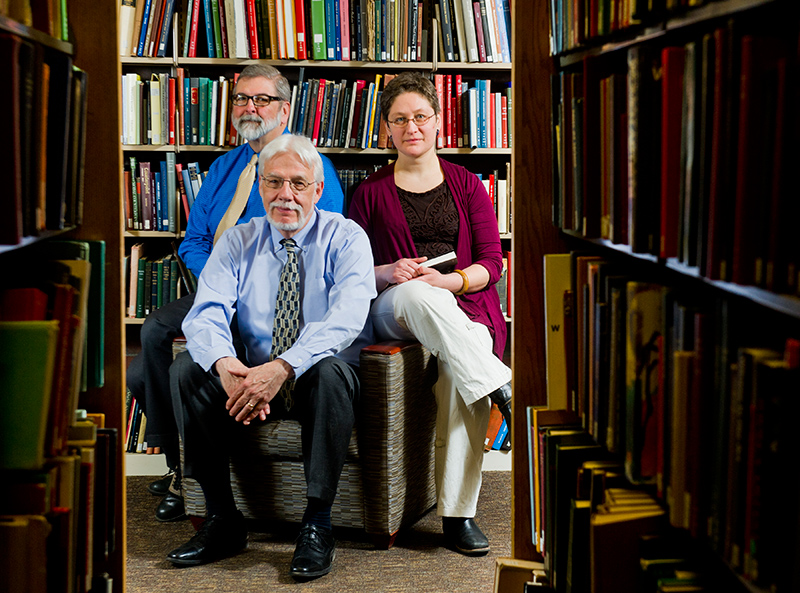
(782, 303)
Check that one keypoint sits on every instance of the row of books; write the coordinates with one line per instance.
(347, 114)
(47, 17)
(196, 111)
(576, 23)
(154, 279)
(342, 30)
(150, 191)
(136, 426)
(691, 394)
(683, 152)
(595, 531)
(51, 306)
(44, 127)
(58, 521)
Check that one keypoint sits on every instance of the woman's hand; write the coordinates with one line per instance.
(451, 282)
(400, 271)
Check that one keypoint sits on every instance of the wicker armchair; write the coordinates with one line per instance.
(387, 482)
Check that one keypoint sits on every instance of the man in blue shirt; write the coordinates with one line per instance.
(299, 270)
(260, 111)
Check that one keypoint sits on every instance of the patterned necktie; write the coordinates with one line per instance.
(240, 197)
(287, 314)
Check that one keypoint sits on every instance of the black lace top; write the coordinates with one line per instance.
(432, 218)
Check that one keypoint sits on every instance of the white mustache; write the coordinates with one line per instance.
(283, 204)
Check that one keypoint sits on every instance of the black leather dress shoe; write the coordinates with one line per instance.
(502, 397)
(160, 486)
(464, 535)
(314, 554)
(218, 537)
(171, 508)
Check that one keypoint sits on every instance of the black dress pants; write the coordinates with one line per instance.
(148, 376)
(324, 400)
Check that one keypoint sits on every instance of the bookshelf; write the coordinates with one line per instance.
(92, 48)
(480, 160)
(601, 192)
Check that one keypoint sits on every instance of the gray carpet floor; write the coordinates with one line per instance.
(417, 563)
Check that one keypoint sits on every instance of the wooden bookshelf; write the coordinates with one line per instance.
(756, 314)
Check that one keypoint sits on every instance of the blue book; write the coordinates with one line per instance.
(297, 124)
(143, 34)
(187, 186)
(209, 29)
(187, 110)
(157, 200)
(169, 10)
(330, 28)
(482, 119)
(501, 436)
(165, 197)
(337, 22)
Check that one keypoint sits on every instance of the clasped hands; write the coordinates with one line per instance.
(250, 390)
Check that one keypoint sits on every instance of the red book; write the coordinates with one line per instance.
(591, 147)
(783, 211)
(193, 28)
(233, 136)
(438, 81)
(489, 115)
(300, 30)
(448, 108)
(504, 115)
(758, 62)
(672, 104)
(720, 214)
(182, 189)
(172, 109)
(181, 137)
(23, 304)
(59, 417)
(156, 34)
(344, 18)
(459, 97)
(360, 84)
(252, 28)
(318, 114)
(11, 210)
(223, 31)
(476, 9)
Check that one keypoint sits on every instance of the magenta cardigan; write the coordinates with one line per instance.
(376, 207)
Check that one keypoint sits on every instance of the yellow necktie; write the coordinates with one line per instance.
(239, 201)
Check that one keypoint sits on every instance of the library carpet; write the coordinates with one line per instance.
(416, 563)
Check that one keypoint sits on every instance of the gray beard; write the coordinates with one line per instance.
(253, 127)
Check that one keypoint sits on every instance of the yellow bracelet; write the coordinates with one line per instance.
(465, 286)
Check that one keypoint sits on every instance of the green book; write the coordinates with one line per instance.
(140, 287)
(28, 350)
(216, 24)
(173, 279)
(319, 45)
(203, 105)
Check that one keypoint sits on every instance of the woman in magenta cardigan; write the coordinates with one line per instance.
(413, 210)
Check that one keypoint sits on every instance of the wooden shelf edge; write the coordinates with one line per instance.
(782, 303)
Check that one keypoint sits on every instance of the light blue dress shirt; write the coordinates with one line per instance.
(337, 283)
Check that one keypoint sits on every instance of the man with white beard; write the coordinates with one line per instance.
(259, 113)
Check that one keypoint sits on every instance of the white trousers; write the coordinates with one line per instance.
(468, 371)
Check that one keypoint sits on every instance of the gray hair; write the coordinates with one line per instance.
(297, 145)
(270, 73)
